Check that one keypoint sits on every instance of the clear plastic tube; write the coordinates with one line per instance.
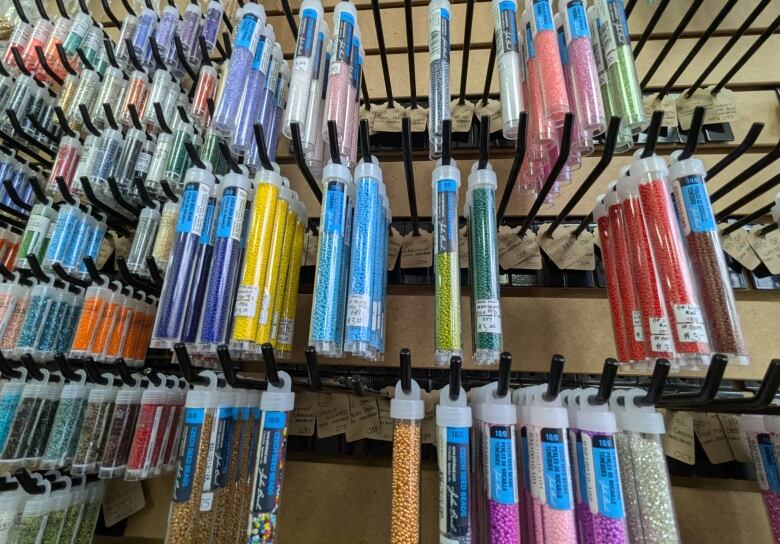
(542, 133)
(189, 31)
(157, 165)
(39, 37)
(244, 46)
(41, 216)
(66, 427)
(19, 38)
(135, 139)
(65, 163)
(555, 102)
(311, 126)
(136, 96)
(92, 246)
(284, 264)
(81, 23)
(108, 148)
(13, 324)
(58, 35)
(327, 314)
(92, 46)
(340, 70)
(199, 184)
(204, 90)
(267, 102)
(166, 231)
(439, 14)
(509, 59)
(19, 101)
(453, 420)
(706, 258)
(145, 28)
(445, 184)
(283, 340)
(282, 87)
(112, 92)
(304, 65)
(158, 93)
(212, 23)
(120, 433)
(150, 418)
(166, 29)
(148, 221)
(94, 431)
(178, 159)
(348, 142)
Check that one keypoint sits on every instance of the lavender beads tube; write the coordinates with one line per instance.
(243, 133)
(247, 34)
(178, 276)
(165, 32)
(226, 262)
(200, 277)
(212, 23)
(267, 107)
(282, 88)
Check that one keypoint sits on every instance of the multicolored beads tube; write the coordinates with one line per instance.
(245, 318)
(445, 184)
(328, 301)
(244, 46)
(198, 186)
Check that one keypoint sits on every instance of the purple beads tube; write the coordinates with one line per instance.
(311, 126)
(586, 98)
(339, 88)
(166, 29)
(499, 422)
(601, 515)
(108, 147)
(328, 301)
(363, 262)
(266, 108)
(304, 65)
(198, 186)
(211, 24)
(145, 232)
(765, 462)
(453, 420)
(201, 268)
(189, 30)
(262, 64)
(224, 274)
(147, 24)
(282, 88)
(129, 26)
(244, 45)
(647, 491)
(549, 470)
(509, 60)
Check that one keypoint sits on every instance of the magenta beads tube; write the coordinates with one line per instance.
(304, 64)
(340, 72)
(509, 59)
(763, 454)
(252, 17)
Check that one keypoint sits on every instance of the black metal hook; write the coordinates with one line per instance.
(456, 364)
(514, 171)
(464, 66)
(555, 378)
(380, 36)
(116, 192)
(64, 60)
(406, 141)
(193, 155)
(230, 372)
(365, 147)
(333, 137)
(158, 112)
(168, 191)
(87, 120)
(262, 151)
(204, 52)
(45, 65)
(489, 72)
(109, 13)
(290, 19)
(652, 134)
(7, 370)
(93, 372)
(763, 397)
(129, 9)
(143, 194)
(651, 23)
(21, 132)
(20, 65)
(750, 218)
(155, 48)
(14, 196)
(271, 373)
(134, 118)
(484, 139)
(708, 390)
(225, 151)
(693, 134)
(124, 372)
(20, 11)
(185, 363)
(410, 53)
(67, 278)
(119, 221)
(154, 273)
(737, 152)
(300, 159)
(28, 483)
(763, 231)
(406, 370)
(42, 9)
(108, 46)
(42, 129)
(93, 272)
(183, 58)
(356, 382)
(5, 273)
(35, 268)
(446, 142)
(110, 118)
(504, 371)
(132, 281)
(312, 368)
(563, 156)
(133, 57)
(606, 383)
(63, 122)
(746, 174)
(65, 368)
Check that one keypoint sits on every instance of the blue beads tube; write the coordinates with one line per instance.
(311, 125)
(198, 185)
(108, 147)
(224, 273)
(51, 325)
(304, 64)
(347, 253)
(282, 88)
(41, 298)
(327, 312)
(65, 228)
(78, 242)
(363, 263)
(212, 23)
(92, 247)
(445, 184)
(252, 18)
(201, 269)
(69, 323)
(147, 23)
(439, 14)
(267, 107)
(243, 134)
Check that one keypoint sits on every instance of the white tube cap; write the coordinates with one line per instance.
(407, 405)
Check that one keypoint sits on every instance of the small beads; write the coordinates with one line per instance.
(405, 522)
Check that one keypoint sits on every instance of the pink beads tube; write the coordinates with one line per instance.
(555, 101)
(340, 76)
(542, 133)
(760, 447)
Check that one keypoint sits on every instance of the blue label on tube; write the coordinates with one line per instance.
(227, 213)
(578, 20)
(246, 31)
(456, 508)
(556, 472)
(769, 462)
(529, 42)
(503, 486)
(334, 208)
(258, 58)
(193, 426)
(583, 481)
(270, 460)
(206, 237)
(344, 44)
(543, 17)
(507, 14)
(606, 476)
(305, 45)
(696, 203)
(562, 47)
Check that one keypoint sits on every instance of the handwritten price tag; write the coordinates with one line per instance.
(462, 115)
(304, 415)
(417, 251)
(393, 247)
(738, 246)
(515, 252)
(678, 441)
(567, 252)
(418, 119)
(767, 247)
(387, 119)
(463, 247)
(332, 415)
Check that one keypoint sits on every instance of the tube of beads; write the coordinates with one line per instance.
(602, 515)
(760, 445)
(90, 513)
(204, 90)
(148, 221)
(625, 276)
(107, 151)
(270, 285)
(282, 86)
(65, 228)
(211, 24)
(328, 299)
(266, 107)
(555, 102)
(12, 505)
(706, 257)
(439, 14)
(92, 45)
(32, 520)
(304, 65)
(542, 133)
(172, 439)
(453, 420)
(18, 40)
(65, 431)
(47, 337)
(311, 126)
(115, 301)
(483, 253)
(201, 268)
(65, 164)
(13, 320)
(340, 70)
(137, 94)
(82, 22)
(97, 417)
(147, 24)
(198, 186)
(291, 222)
(41, 216)
(509, 59)
(39, 37)
(129, 25)
(19, 100)
(284, 334)
(244, 46)
(120, 329)
(93, 244)
(276, 404)
(256, 83)
(120, 432)
(166, 231)
(655, 322)
(445, 184)
(178, 160)
(135, 139)
(162, 81)
(682, 304)
(189, 31)
(157, 165)
(363, 262)
(166, 29)
(586, 98)
(407, 411)
(144, 437)
(644, 474)
(37, 100)
(58, 35)
(245, 317)
(199, 413)
(616, 44)
(22, 425)
(112, 92)
(70, 321)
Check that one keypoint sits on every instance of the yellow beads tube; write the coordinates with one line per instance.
(284, 265)
(265, 321)
(284, 334)
(268, 184)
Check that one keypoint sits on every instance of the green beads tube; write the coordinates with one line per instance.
(446, 267)
(483, 261)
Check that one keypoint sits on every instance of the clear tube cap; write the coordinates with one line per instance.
(453, 413)
(407, 405)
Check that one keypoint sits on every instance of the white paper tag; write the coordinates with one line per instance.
(246, 301)
(417, 251)
(358, 310)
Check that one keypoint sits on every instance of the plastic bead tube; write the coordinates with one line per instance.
(112, 92)
(509, 59)
(616, 43)
(39, 37)
(555, 102)
(682, 304)
(282, 86)
(378, 338)
(145, 232)
(706, 257)
(224, 273)
(81, 23)
(244, 46)
(65, 163)
(340, 70)
(542, 134)
(135, 139)
(120, 432)
(284, 334)
(157, 166)
(18, 40)
(284, 264)
(483, 254)
(67, 425)
(445, 184)
(146, 27)
(137, 94)
(204, 90)
(189, 31)
(178, 160)
(166, 29)
(328, 300)
(245, 322)
(348, 143)
(453, 420)
(108, 147)
(439, 14)
(34, 235)
(92, 46)
(65, 228)
(262, 65)
(311, 125)
(212, 23)
(305, 64)
(92, 245)
(78, 242)
(163, 242)
(19, 100)
(267, 103)
(198, 186)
